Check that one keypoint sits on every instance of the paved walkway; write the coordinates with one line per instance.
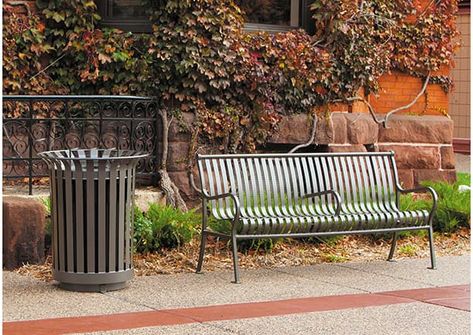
(463, 163)
(350, 298)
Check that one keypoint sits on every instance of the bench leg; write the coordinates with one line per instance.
(236, 270)
(433, 261)
(393, 247)
(202, 251)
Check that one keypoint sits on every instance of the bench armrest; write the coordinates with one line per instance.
(236, 202)
(423, 190)
(337, 197)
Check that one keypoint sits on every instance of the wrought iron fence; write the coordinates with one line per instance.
(32, 124)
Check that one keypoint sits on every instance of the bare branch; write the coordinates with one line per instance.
(47, 67)
(412, 103)
(388, 115)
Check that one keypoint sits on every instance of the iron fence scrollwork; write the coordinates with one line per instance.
(32, 124)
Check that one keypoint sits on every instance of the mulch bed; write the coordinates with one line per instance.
(288, 253)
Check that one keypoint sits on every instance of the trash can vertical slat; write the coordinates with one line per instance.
(54, 212)
(113, 217)
(79, 190)
(60, 207)
(129, 201)
(101, 217)
(90, 217)
(69, 218)
(121, 216)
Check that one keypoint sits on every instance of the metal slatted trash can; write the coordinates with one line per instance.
(92, 215)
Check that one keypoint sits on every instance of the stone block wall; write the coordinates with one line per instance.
(422, 144)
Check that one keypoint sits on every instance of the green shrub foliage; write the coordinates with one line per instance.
(163, 227)
(453, 209)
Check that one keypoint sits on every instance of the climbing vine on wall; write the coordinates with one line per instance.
(199, 58)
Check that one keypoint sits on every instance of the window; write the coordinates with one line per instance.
(270, 15)
(267, 15)
(128, 15)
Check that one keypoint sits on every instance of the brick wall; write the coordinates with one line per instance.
(399, 89)
(460, 97)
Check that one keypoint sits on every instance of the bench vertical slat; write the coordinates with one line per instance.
(384, 191)
(334, 165)
(211, 188)
(261, 186)
(218, 187)
(317, 206)
(228, 204)
(372, 191)
(275, 194)
(391, 187)
(320, 182)
(288, 182)
(348, 171)
(306, 204)
(368, 188)
(387, 179)
(266, 180)
(231, 177)
(345, 181)
(302, 181)
(255, 202)
(283, 195)
(297, 190)
(248, 195)
(362, 187)
(379, 192)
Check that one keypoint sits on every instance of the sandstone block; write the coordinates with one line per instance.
(292, 129)
(23, 231)
(448, 157)
(417, 129)
(414, 157)
(177, 156)
(449, 176)
(181, 180)
(145, 197)
(406, 178)
(361, 129)
(332, 130)
(178, 131)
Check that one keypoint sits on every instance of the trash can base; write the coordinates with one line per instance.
(92, 287)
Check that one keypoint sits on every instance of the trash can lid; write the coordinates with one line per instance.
(92, 154)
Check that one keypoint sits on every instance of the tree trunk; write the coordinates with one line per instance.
(171, 191)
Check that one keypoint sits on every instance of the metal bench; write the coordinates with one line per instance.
(302, 195)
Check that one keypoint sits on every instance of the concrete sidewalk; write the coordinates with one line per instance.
(28, 299)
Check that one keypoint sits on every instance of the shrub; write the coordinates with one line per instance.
(453, 209)
(163, 227)
(264, 244)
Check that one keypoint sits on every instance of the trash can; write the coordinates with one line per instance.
(92, 217)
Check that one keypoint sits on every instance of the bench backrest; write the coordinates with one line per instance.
(275, 183)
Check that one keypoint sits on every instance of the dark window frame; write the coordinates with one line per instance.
(143, 25)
